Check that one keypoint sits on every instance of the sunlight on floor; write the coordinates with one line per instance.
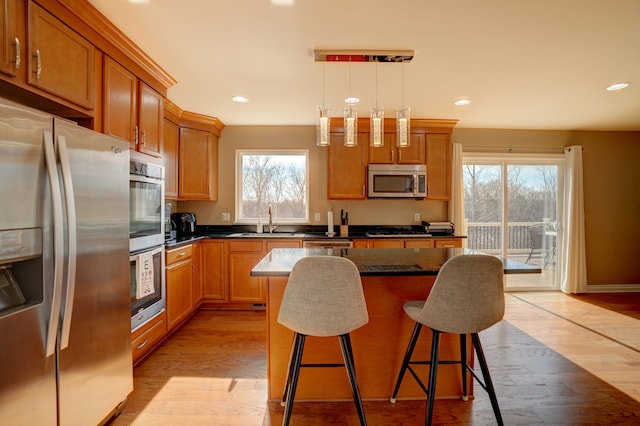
(605, 343)
(188, 400)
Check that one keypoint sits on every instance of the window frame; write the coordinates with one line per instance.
(239, 219)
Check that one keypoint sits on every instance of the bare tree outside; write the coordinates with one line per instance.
(278, 180)
(531, 198)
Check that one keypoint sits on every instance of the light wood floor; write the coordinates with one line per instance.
(555, 360)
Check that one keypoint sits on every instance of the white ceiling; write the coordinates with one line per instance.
(524, 64)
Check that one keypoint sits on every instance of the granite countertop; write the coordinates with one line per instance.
(378, 262)
(284, 232)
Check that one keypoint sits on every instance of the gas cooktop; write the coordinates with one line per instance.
(396, 233)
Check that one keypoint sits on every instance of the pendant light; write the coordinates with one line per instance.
(350, 117)
(403, 121)
(324, 120)
(376, 121)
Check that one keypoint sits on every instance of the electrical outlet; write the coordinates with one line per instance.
(416, 217)
(225, 217)
(316, 217)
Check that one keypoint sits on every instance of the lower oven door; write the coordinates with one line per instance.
(147, 290)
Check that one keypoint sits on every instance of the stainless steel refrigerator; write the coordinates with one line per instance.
(65, 342)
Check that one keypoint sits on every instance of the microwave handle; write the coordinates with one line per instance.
(415, 184)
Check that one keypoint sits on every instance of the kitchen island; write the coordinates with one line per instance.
(390, 277)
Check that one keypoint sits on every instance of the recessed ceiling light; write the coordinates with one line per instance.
(618, 86)
(240, 99)
(461, 102)
(352, 100)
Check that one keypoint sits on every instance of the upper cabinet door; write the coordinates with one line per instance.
(133, 111)
(12, 37)
(196, 164)
(61, 62)
(347, 168)
(120, 100)
(391, 154)
(439, 166)
(150, 117)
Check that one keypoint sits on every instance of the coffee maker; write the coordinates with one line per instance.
(186, 222)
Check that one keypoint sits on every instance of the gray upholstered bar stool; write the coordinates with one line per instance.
(467, 297)
(323, 297)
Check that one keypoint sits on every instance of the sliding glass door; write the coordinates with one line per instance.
(512, 209)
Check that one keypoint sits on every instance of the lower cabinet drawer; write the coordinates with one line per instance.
(453, 243)
(144, 342)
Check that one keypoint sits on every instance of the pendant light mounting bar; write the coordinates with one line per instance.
(363, 55)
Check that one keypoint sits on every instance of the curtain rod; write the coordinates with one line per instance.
(513, 149)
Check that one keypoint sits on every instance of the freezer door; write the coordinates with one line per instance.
(95, 366)
(27, 374)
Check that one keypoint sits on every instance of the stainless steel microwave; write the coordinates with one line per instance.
(397, 181)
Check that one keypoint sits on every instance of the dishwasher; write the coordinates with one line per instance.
(328, 244)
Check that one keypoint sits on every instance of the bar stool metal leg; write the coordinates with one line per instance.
(433, 371)
(285, 391)
(463, 364)
(294, 370)
(407, 358)
(347, 354)
(488, 383)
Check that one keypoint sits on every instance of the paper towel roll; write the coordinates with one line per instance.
(330, 222)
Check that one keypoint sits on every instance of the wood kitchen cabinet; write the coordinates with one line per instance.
(408, 243)
(198, 157)
(213, 281)
(419, 243)
(171, 137)
(347, 168)
(447, 242)
(60, 61)
(197, 289)
(438, 150)
(133, 111)
(148, 336)
(391, 154)
(379, 243)
(12, 38)
(179, 284)
(243, 256)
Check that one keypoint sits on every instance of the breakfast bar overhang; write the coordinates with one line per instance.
(390, 277)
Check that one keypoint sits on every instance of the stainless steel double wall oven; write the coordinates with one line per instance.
(146, 241)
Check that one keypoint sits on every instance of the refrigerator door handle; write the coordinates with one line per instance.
(63, 157)
(58, 243)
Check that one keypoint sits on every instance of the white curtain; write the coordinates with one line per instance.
(456, 205)
(573, 254)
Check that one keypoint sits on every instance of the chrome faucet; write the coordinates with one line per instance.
(271, 225)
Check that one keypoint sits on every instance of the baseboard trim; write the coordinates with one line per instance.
(614, 288)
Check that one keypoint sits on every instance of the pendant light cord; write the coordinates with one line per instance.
(402, 79)
(323, 85)
(376, 85)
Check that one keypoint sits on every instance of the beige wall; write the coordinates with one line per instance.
(611, 172)
(611, 181)
(369, 212)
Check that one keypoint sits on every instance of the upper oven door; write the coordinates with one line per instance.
(146, 212)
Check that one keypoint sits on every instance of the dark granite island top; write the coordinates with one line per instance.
(379, 261)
